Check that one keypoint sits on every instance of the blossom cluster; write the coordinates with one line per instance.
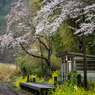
(23, 29)
(46, 20)
(18, 27)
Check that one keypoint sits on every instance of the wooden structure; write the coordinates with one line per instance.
(37, 88)
(74, 61)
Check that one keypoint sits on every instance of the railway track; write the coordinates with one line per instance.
(5, 90)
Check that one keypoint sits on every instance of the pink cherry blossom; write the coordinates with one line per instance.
(68, 9)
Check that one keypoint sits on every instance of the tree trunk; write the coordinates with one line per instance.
(84, 51)
(85, 67)
(48, 63)
(49, 70)
(41, 58)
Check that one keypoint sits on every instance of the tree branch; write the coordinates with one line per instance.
(32, 54)
(44, 44)
(50, 44)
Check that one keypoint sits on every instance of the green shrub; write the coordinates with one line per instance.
(71, 90)
(74, 77)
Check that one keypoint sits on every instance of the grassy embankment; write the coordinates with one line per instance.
(8, 72)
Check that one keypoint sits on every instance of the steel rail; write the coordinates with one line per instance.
(2, 90)
(8, 88)
(13, 90)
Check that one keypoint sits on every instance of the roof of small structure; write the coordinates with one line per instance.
(73, 53)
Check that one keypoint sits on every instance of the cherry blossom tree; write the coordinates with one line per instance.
(23, 28)
(80, 17)
(55, 12)
(20, 32)
(63, 10)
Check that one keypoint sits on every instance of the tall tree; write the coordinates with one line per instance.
(81, 21)
(21, 32)
(54, 13)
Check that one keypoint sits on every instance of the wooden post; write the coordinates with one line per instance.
(71, 62)
(33, 78)
(55, 82)
(67, 68)
(74, 65)
(27, 78)
(64, 69)
(79, 80)
(69, 77)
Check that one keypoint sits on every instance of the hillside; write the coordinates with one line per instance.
(7, 55)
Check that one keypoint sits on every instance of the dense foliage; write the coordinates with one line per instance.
(63, 40)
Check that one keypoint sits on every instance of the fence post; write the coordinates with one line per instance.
(55, 82)
(33, 78)
(69, 77)
(79, 79)
(27, 78)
